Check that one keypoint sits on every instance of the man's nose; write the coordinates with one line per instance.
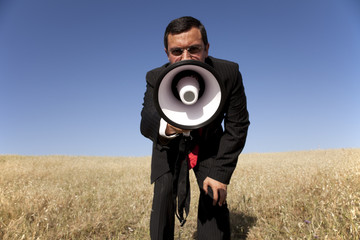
(186, 55)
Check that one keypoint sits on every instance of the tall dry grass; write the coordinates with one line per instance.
(295, 195)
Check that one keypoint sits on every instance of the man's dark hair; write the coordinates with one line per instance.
(184, 24)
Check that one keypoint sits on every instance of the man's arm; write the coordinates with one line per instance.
(236, 123)
(152, 125)
(150, 119)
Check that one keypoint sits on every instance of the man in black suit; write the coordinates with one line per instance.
(185, 39)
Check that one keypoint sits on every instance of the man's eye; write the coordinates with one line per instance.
(194, 49)
(176, 51)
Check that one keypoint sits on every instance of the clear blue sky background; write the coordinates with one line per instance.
(72, 72)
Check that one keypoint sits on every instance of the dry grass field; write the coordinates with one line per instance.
(292, 195)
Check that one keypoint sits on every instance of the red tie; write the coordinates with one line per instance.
(193, 155)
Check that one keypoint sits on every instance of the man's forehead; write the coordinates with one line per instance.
(188, 37)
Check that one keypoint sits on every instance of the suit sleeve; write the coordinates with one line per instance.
(149, 127)
(236, 123)
(150, 118)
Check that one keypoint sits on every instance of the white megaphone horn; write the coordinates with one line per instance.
(189, 94)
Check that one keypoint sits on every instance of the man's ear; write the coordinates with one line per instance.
(166, 51)
(207, 50)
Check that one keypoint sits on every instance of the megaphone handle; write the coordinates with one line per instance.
(186, 133)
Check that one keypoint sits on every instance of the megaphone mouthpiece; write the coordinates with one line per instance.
(188, 88)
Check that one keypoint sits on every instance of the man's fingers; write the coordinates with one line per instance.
(222, 199)
(205, 187)
(215, 195)
(217, 190)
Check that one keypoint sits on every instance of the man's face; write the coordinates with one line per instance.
(186, 46)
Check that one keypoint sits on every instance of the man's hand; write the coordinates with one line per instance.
(170, 130)
(219, 190)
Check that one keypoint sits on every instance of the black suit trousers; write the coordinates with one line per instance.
(213, 221)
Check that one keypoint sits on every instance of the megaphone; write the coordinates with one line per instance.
(189, 94)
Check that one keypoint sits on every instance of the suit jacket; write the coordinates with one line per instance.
(219, 149)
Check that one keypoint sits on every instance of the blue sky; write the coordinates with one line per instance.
(72, 72)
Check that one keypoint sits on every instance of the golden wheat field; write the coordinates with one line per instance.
(292, 195)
